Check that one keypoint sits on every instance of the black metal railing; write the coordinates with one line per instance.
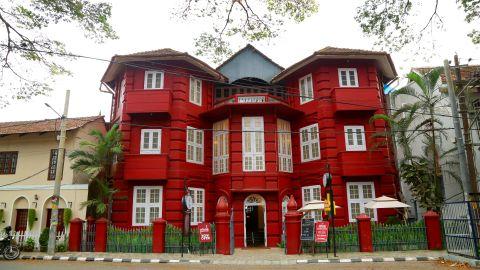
(346, 238)
(191, 244)
(88, 237)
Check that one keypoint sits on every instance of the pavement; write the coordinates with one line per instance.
(258, 257)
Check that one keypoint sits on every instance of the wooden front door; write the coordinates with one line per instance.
(21, 220)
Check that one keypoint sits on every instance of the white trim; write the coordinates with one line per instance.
(361, 200)
(220, 150)
(154, 79)
(262, 203)
(306, 95)
(255, 133)
(356, 146)
(195, 146)
(45, 187)
(12, 218)
(347, 71)
(310, 132)
(147, 205)
(193, 215)
(285, 163)
(192, 93)
(311, 194)
(150, 150)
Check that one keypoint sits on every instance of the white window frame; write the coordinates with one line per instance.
(147, 205)
(194, 214)
(309, 142)
(255, 135)
(197, 147)
(355, 146)
(347, 72)
(318, 215)
(361, 200)
(150, 150)
(154, 79)
(220, 147)
(195, 93)
(285, 163)
(306, 95)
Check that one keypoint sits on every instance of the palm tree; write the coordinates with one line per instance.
(96, 160)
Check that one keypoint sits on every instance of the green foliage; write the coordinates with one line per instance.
(32, 216)
(408, 236)
(29, 245)
(43, 239)
(173, 240)
(2, 214)
(392, 220)
(129, 240)
(346, 238)
(62, 247)
(67, 216)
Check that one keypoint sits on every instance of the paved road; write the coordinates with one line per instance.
(56, 265)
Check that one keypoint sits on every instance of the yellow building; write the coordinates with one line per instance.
(28, 156)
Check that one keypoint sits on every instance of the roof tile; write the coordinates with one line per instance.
(47, 125)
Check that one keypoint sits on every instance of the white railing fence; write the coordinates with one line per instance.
(21, 237)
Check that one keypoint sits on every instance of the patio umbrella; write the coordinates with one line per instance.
(314, 205)
(385, 202)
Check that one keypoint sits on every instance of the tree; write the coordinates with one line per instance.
(395, 23)
(97, 161)
(248, 19)
(26, 43)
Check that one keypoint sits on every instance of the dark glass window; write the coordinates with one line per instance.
(8, 162)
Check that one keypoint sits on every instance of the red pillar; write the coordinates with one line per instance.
(222, 227)
(364, 233)
(158, 240)
(101, 235)
(293, 227)
(434, 230)
(75, 234)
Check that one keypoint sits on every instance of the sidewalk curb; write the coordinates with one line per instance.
(264, 262)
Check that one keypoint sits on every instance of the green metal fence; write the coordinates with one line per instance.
(409, 236)
(129, 240)
(346, 238)
(173, 241)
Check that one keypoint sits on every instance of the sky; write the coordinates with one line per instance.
(148, 25)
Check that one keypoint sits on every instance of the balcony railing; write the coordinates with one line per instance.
(356, 99)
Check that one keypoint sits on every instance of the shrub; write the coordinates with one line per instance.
(393, 220)
(29, 245)
(32, 216)
(2, 213)
(43, 239)
(67, 216)
(61, 247)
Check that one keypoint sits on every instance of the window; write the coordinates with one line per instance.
(52, 168)
(284, 146)
(153, 80)
(306, 89)
(198, 207)
(312, 193)
(360, 193)
(310, 145)
(355, 138)
(195, 95)
(151, 141)
(147, 205)
(220, 147)
(348, 77)
(194, 145)
(253, 144)
(8, 162)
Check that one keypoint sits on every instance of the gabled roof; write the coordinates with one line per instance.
(47, 125)
(383, 60)
(116, 64)
(467, 72)
(249, 46)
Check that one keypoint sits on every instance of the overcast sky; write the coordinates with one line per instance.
(148, 25)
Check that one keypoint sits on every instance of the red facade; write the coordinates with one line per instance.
(170, 110)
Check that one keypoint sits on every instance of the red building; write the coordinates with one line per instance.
(251, 131)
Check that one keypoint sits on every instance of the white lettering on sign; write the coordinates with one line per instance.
(251, 99)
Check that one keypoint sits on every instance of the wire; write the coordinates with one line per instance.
(24, 179)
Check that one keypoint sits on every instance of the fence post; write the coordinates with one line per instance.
(222, 226)
(293, 228)
(158, 235)
(434, 230)
(364, 233)
(101, 226)
(75, 235)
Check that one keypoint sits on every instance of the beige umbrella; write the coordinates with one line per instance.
(385, 202)
(314, 205)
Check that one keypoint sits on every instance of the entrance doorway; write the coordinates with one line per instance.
(255, 221)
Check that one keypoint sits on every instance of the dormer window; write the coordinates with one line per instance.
(153, 79)
(348, 77)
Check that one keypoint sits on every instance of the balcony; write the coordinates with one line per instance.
(362, 163)
(356, 99)
(148, 101)
(145, 167)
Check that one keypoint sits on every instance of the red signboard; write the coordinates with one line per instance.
(204, 233)
(321, 231)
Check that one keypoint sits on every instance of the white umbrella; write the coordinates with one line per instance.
(385, 202)
(314, 205)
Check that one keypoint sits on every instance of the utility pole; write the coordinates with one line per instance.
(458, 132)
(466, 126)
(58, 177)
